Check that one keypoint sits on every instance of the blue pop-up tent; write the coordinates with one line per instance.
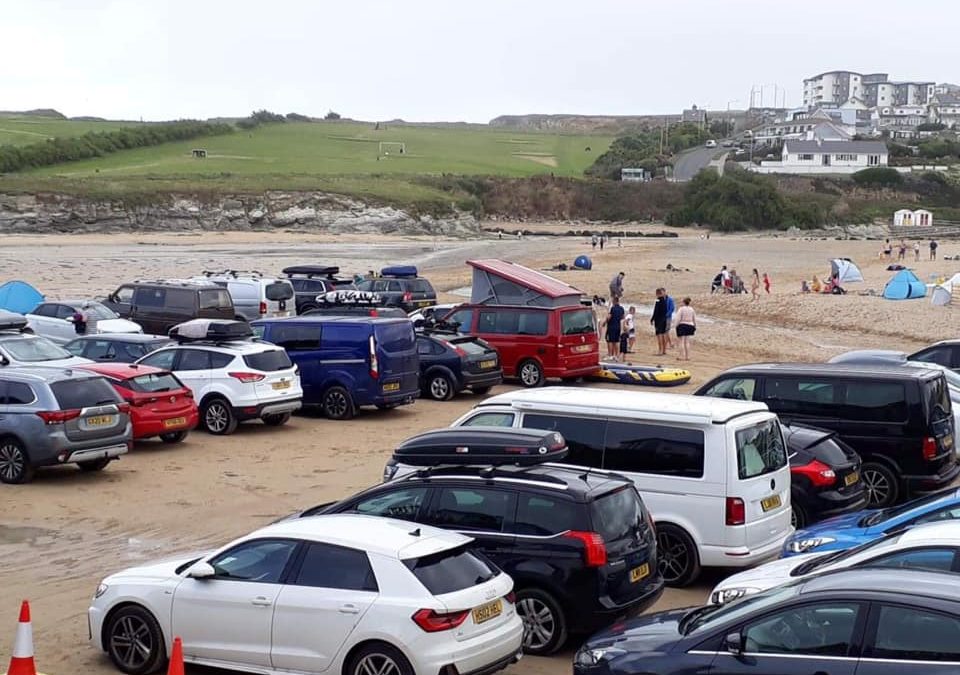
(19, 297)
(904, 286)
(583, 262)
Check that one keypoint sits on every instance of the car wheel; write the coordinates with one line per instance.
(134, 642)
(218, 418)
(174, 437)
(277, 420)
(530, 373)
(677, 556)
(798, 516)
(544, 625)
(881, 485)
(14, 464)
(439, 387)
(94, 464)
(337, 403)
(481, 391)
(379, 658)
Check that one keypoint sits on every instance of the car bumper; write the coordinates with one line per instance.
(259, 410)
(583, 621)
(394, 399)
(480, 655)
(742, 556)
(156, 426)
(945, 475)
(571, 371)
(490, 378)
(820, 505)
(105, 452)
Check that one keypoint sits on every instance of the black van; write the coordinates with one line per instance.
(158, 306)
(899, 420)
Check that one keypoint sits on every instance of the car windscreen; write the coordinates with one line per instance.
(450, 571)
(152, 383)
(760, 449)
(824, 446)
(713, 615)
(396, 337)
(577, 322)
(94, 311)
(269, 361)
(618, 514)
(34, 350)
(84, 393)
(837, 556)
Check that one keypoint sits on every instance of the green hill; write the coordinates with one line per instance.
(21, 129)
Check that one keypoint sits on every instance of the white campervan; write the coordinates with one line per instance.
(713, 472)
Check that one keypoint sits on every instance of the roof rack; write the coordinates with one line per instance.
(176, 282)
(487, 471)
(311, 271)
(211, 330)
(489, 446)
(432, 325)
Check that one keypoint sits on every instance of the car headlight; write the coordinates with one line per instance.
(804, 545)
(725, 595)
(591, 657)
(101, 589)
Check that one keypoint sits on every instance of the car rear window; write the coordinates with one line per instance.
(469, 345)
(617, 514)
(577, 322)
(215, 299)
(84, 393)
(760, 450)
(419, 286)
(268, 362)
(152, 383)
(452, 570)
(827, 449)
(396, 337)
(937, 395)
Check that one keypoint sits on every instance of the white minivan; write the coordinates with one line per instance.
(714, 472)
(255, 296)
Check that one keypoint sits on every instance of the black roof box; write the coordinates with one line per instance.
(12, 321)
(487, 446)
(399, 271)
(211, 330)
(311, 270)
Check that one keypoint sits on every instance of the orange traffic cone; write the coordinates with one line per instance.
(21, 662)
(176, 658)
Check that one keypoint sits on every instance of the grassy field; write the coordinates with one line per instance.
(15, 130)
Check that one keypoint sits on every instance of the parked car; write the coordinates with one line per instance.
(864, 621)
(233, 379)
(18, 348)
(580, 546)
(899, 420)
(255, 296)
(348, 362)
(116, 348)
(160, 404)
(824, 475)
(714, 474)
(843, 532)
(433, 312)
(711, 143)
(535, 343)
(56, 320)
(310, 281)
(53, 416)
(351, 595)
(946, 353)
(158, 306)
(451, 363)
(400, 286)
(934, 546)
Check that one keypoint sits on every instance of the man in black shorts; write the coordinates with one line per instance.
(659, 321)
(613, 325)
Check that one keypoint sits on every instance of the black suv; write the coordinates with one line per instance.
(158, 306)
(579, 544)
(401, 287)
(309, 281)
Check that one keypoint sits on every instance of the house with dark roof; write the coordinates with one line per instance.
(827, 157)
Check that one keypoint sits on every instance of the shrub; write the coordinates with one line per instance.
(878, 177)
(332, 116)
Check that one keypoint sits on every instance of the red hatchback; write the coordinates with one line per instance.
(159, 403)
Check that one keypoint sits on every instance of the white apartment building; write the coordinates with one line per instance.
(831, 89)
(835, 88)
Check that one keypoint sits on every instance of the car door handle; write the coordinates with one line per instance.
(261, 601)
(349, 609)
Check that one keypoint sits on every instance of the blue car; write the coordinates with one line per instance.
(847, 531)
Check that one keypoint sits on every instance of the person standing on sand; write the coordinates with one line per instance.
(671, 308)
(933, 250)
(631, 323)
(659, 322)
(902, 251)
(916, 251)
(686, 327)
(755, 285)
(602, 237)
(616, 285)
(613, 325)
(887, 249)
(766, 283)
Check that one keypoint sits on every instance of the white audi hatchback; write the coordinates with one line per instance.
(344, 594)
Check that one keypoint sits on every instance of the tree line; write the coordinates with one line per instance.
(648, 150)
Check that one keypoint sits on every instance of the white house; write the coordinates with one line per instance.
(901, 121)
(827, 157)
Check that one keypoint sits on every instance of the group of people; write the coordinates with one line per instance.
(602, 239)
(728, 281)
(832, 286)
(887, 252)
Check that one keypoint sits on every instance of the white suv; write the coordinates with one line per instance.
(343, 594)
(234, 381)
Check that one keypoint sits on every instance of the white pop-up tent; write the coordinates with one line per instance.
(941, 295)
(845, 270)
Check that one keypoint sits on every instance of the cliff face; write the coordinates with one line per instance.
(309, 211)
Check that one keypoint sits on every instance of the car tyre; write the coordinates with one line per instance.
(93, 465)
(677, 556)
(15, 467)
(217, 417)
(544, 623)
(337, 404)
(277, 420)
(439, 387)
(174, 437)
(379, 658)
(530, 373)
(798, 515)
(133, 630)
(481, 391)
(881, 483)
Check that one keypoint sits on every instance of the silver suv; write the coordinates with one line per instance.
(51, 416)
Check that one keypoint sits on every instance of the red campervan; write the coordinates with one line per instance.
(159, 403)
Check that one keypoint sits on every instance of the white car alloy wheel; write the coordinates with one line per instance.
(14, 466)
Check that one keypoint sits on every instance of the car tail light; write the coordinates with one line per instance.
(511, 597)
(817, 473)
(458, 351)
(432, 622)
(736, 512)
(247, 378)
(408, 296)
(263, 307)
(374, 364)
(929, 448)
(188, 394)
(58, 416)
(595, 550)
(650, 522)
(124, 408)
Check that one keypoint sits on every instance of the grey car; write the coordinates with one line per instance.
(52, 416)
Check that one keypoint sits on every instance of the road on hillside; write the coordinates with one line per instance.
(689, 162)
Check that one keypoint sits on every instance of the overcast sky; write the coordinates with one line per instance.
(470, 60)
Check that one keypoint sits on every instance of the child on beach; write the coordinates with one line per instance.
(766, 283)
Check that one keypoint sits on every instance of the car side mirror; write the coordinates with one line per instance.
(4, 361)
(733, 643)
(202, 570)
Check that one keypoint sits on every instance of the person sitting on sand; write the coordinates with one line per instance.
(815, 286)
(804, 286)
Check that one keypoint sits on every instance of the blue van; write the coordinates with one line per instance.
(349, 361)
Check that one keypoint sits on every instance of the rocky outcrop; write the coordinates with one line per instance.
(304, 211)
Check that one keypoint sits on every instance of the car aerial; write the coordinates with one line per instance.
(868, 621)
(160, 405)
(56, 320)
(254, 295)
(824, 475)
(160, 305)
(933, 546)
(346, 594)
(451, 362)
(54, 416)
(233, 378)
(579, 545)
(18, 348)
(400, 286)
(853, 529)
(116, 348)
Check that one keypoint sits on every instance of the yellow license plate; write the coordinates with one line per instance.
(851, 478)
(580, 349)
(282, 384)
(638, 573)
(948, 441)
(770, 503)
(488, 364)
(99, 420)
(425, 303)
(175, 422)
(488, 611)
(391, 386)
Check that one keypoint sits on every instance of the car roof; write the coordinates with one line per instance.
(321, 318)
(121, 371)
(942, 531)
(878, 371)
(44, 373)
(523, 307)
(680, 407)
(385, 536)
(870, 356)
(123, 337)
(906, 581)
(236, 346)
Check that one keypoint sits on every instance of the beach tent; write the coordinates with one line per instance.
(940, 296)
(499, 282)
(583, 262)
(904, 286)
(846, 269)
(953, 282)
(19, 297)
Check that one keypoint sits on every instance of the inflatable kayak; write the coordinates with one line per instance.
(653, 376)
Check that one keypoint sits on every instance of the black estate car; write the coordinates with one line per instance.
(400, 286)
(451, 362)
(116, 347)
